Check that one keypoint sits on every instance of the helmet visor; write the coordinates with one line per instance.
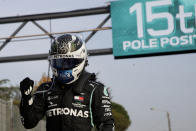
(65, 63)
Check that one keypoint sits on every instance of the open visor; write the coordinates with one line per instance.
(65, 63)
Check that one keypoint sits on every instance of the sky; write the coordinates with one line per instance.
(166, 83)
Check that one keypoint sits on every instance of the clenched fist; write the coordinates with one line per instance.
(26, 86)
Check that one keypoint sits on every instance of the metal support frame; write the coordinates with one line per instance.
(33, 18)
(19, 28)
(96, 52)
(100, 25)
(46, 16)
(45, 31)
(15, 32)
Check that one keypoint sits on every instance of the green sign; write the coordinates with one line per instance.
(144, 27)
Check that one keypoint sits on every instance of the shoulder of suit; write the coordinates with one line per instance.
(44, 86)
(95, 84)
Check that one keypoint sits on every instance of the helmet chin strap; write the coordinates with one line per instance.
(48, 72)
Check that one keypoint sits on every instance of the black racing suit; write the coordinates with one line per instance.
(74, 107)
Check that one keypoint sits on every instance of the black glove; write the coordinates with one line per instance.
(26, 87)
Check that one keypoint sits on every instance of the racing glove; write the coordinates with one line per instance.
(26, 88)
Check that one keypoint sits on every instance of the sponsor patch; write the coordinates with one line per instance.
(52, 97)
(78, 98)
(106, 106)
(105, 97)
(67, 111)
(108, 114)
(51, 104)
(78, 105)
(106, 102)
(108, 109)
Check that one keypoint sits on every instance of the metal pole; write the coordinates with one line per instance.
(45, 16)
(169, 121)
(56, 33)
(11, 114)
(96, 52)
(167, 114)
(1, 115)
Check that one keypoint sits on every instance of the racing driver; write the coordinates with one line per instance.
(73, 100)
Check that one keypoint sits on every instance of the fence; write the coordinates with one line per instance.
(10, 118)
